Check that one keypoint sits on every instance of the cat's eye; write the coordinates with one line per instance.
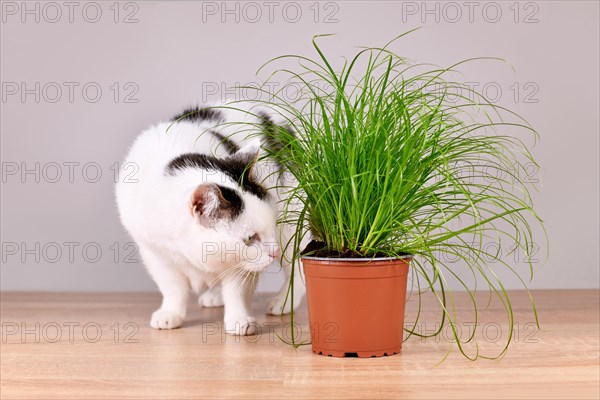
(251, 239)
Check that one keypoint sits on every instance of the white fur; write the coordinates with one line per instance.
(182, 253)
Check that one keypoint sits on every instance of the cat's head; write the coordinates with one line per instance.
(238, 220)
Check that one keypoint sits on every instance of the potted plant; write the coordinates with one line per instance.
(395, 164)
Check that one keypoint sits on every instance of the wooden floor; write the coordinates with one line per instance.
(100, 346)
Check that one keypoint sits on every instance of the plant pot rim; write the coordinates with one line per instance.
(365, 259)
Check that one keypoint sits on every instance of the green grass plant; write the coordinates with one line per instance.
(392, 158)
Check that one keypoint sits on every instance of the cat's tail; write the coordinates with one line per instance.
(275, 136)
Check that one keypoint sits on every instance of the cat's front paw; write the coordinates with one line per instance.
(278, 305)
(244, 326)
(165, 319)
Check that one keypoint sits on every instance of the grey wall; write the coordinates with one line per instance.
(173, 54)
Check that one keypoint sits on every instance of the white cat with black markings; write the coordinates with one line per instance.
(203, 213)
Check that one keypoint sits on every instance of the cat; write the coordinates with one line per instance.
(203, 212)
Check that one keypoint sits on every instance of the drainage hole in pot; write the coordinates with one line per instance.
(350, 354)
(385, 354)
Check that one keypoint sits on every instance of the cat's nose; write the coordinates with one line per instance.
(275, 252)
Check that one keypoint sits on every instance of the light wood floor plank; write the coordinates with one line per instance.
(198, 361)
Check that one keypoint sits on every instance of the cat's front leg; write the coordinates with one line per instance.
(174, 287)
(282, 302)
(237, 295)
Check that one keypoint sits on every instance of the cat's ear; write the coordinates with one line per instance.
(210, 202)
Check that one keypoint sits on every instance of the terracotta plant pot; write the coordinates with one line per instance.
(356, 306)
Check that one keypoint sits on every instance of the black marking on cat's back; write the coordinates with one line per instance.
(231, 147)
(233, 167)
(198, 114)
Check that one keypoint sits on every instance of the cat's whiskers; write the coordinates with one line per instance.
(252, 275)
(226, 273)
(240, 277)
